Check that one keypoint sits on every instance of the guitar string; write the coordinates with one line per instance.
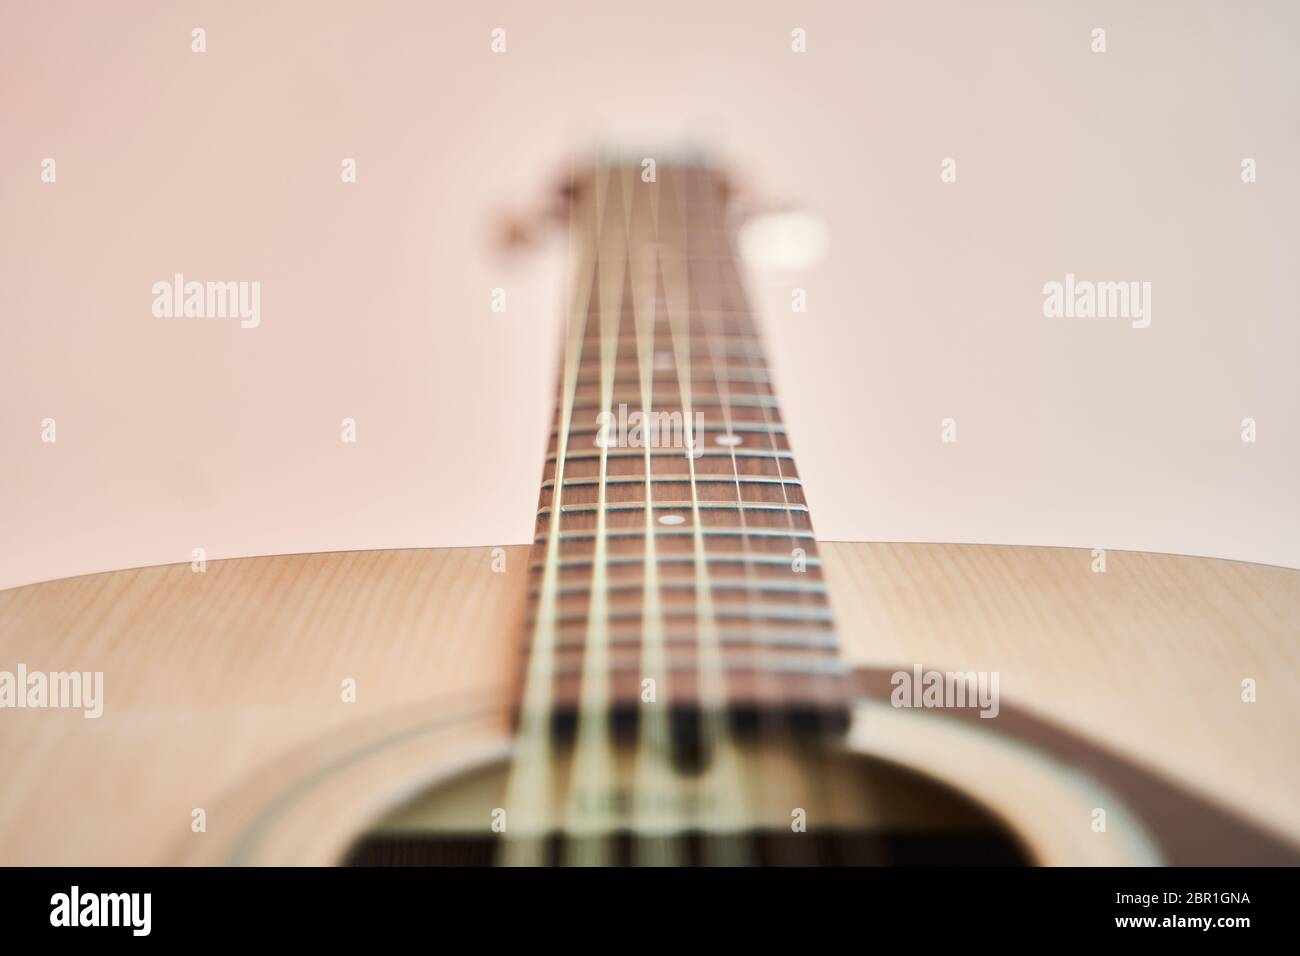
(590, 817)
(529, 787)
(772, 764)
(819, 781)
(541, 671)
(722, 798)
(656, 788)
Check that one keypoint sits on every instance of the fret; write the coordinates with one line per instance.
(707, 429)
(779, 520)
(674, 491)
(701, 374)
(731, 612)
(712, 349)
(676, 505)
(674, 440)
(672, 479)
(734, 661)
(676, 453)
(706, 345)
(685, 571)
(703, 338)
(683, 532)
(700, 312)
(677, 582)
(737, 557)
(681, 586)
(811, 635)
(706, 356)
(704, 320)
(725, 347)
(665, 431)
(745, 341)
(749, 426)
(674, 466)
(698, 402)
(725, 584)
(783, 543)
(805, 638)
(744, 402)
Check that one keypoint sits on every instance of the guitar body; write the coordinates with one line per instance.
(676, 672)
(275, 710)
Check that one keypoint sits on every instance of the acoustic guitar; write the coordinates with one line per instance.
(677, 671)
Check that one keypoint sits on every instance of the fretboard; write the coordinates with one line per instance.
(673, 540)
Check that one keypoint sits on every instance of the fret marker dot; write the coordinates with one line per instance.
(671, 519)
(729, 440)
(664, 360)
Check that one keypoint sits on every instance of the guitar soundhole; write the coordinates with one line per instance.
(858, 811)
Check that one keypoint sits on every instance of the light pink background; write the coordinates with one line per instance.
(183, 433)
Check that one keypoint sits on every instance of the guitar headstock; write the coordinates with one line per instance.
(522, 231)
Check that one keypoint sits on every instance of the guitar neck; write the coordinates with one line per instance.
(674, 558)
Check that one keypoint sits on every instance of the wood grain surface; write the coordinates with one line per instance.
(217, 683)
